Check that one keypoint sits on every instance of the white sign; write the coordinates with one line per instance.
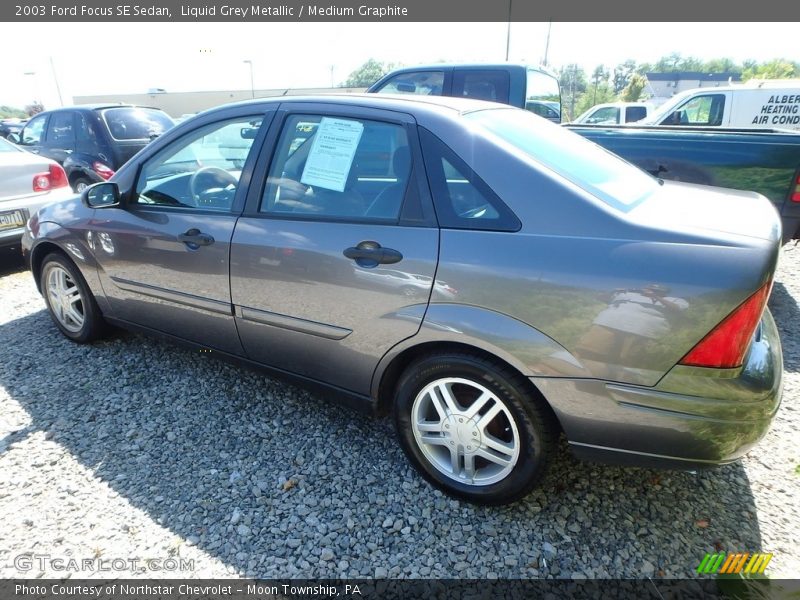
(331, 156)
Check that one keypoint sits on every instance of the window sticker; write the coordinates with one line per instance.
(331, 156)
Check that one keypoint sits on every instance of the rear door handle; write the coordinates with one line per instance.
(371, 254)
(194, 238)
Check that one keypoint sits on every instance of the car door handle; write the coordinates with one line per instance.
(194, 238)
(370, 254)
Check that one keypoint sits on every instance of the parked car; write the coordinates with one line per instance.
(759, 105)
(91, 142)
(11, 126)
(760, 160)
(592, 298)
(615, 113)
(526, 86)
(27, 182)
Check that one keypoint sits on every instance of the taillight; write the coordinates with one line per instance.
(102, 169)
(725, 346)
(54, 178)
(795, 197)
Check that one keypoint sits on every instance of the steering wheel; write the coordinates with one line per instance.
(209, 183)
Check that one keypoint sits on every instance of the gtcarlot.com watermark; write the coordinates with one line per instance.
(46, 562)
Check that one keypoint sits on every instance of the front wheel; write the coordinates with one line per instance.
(473, 428)
(80, 184)
(72, 306)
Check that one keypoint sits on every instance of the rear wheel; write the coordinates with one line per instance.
(72, 306)
(472, 427)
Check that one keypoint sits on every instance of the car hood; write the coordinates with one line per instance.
(723, 214)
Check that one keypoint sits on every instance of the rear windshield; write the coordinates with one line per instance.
(133, 123)
(599, 172)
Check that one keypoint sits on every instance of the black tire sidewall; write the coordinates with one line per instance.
(530, 426)
(92, 321)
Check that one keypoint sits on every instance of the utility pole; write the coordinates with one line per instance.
(58, 87)
(547, 43)
(508, 30)
(252, 89)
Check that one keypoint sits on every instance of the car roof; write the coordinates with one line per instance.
(443, 105)
(463, 65)
(94, 107)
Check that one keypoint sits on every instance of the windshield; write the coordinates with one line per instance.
(134, 123)
(587, 165)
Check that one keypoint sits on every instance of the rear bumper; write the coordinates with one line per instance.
(695, 417)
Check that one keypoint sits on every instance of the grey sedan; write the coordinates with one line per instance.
(27, 182)
(583, 296)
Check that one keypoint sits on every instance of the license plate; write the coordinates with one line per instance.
(12, 219)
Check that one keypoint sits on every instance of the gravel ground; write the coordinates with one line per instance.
(133, 449)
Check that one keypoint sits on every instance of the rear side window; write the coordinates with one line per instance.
(635, 113)
(425, 83)
(133, 123)
(462, 199)
(482, 85)
(87, 135)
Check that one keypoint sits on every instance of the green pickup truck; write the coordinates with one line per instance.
(764, 161)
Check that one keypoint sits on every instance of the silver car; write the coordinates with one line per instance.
(27, 182)
(582, 295)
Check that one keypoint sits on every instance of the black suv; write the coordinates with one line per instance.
(92, 142)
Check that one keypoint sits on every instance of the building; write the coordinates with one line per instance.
(662, 86)
(177, 104)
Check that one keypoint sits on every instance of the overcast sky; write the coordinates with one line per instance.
(107, 58)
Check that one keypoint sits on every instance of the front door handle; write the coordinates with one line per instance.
(371, 254)
(194, 238)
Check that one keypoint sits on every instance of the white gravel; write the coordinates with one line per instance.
(132, 449)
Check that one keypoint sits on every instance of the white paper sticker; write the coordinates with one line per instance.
(331, 157)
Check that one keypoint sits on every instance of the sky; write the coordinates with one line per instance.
(108, 58)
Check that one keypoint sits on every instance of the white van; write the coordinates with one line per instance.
(761, 105)
(615, 113)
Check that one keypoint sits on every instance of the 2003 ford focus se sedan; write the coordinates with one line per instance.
(489, 278)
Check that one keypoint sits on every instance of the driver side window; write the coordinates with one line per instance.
(201, 169)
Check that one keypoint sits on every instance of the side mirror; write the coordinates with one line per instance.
(101, 195)
(13, 137)
(406, 87)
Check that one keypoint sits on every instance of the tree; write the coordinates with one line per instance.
(573, 83)
(603, 93)
(368, 73)
(721, 65)
(9, 112)
(774, 69)
(34, 108)
(600, 75)
(633, 91)
(622, 74)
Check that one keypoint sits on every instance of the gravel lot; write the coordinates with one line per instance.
(135, 449)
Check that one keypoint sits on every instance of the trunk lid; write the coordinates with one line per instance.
(723, 214)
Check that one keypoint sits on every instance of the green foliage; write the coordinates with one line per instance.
(9, 112)
(633, 91)
(34, 108)
(774, 69)
(368, 73)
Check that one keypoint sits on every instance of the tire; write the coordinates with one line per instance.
(71, 304)
(508, 453)
(80, 184)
